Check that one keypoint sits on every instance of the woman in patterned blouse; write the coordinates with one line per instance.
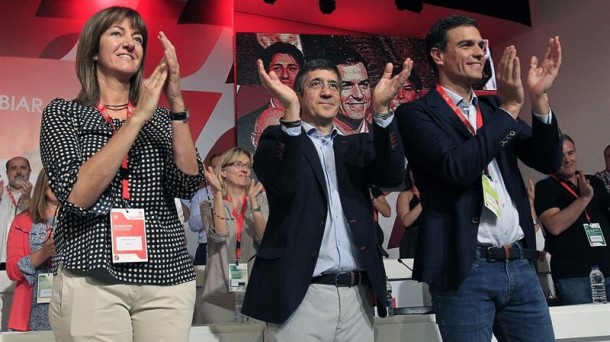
(113, 153)
(30, 247)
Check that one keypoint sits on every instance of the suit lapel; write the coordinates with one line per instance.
(442, 111)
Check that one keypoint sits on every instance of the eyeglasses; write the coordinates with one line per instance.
(318, 84)
(239, 164)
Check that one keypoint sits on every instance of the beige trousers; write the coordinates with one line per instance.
(328, 313)
(84, 309)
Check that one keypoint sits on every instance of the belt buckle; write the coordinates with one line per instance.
(489, 258)
(351, 278)
(337, 278)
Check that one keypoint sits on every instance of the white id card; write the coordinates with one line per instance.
(595, 235)
(237, 274)
(44, 288)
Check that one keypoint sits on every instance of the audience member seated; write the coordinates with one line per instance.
(408, 208)
(14, 197)
(573, 208)
(235, 221)
(30, 248)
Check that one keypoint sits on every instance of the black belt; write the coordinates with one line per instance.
(341, 279)
(507, 252)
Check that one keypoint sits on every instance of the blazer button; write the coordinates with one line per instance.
(475, 220)
(313, 254)
(322, 224)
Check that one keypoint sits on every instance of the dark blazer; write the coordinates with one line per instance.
(291, 172)
(448, 161)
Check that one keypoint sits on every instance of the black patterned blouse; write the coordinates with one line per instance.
(70, 135)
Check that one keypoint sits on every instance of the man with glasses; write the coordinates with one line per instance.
(318, 264)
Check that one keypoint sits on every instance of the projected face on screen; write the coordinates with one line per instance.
(356, 91)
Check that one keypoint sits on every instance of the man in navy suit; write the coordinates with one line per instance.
(476, 244)
(318, 271)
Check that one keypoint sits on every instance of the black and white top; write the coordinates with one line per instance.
(70, 135)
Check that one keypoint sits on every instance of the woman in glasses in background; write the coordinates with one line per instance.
(235, 220)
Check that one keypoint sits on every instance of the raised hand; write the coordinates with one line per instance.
(210, 176)
(586, 190)
(388, 86)
(541, 75)
(280, 91)
(508, 77)
(172, 88)
(26, 188)
(151, 91)
(254, 189)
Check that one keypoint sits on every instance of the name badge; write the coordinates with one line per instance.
(490, 195)
(595, 234)
(238, 273)
(44, 288)
(128, 234)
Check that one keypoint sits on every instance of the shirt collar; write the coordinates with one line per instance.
(313, 132)
(457, 98)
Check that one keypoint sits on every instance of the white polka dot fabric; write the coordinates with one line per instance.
(70, 135)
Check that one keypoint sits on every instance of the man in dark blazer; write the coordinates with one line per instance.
(318, 271)
(476, 244)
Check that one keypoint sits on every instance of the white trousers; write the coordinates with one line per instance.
(328, 313)
(85, 309)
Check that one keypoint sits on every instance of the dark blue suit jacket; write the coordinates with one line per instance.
(291, 172)
(448, 161)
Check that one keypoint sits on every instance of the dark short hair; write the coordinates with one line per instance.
(437, 35)
(280, 47)
(343, 54)
(314, 64)
(606, 149)
(565, 137)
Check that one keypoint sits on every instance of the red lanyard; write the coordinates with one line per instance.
(459, 112)
(462, 116)
(239, 222)
(568, 186)
(124, 171)
(11, 196)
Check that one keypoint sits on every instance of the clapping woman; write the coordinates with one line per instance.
(116, 161)
(235, 221)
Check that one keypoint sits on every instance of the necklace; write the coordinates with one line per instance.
(116, 108)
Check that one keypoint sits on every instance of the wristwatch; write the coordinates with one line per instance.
(384, 115)
(181, 116)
